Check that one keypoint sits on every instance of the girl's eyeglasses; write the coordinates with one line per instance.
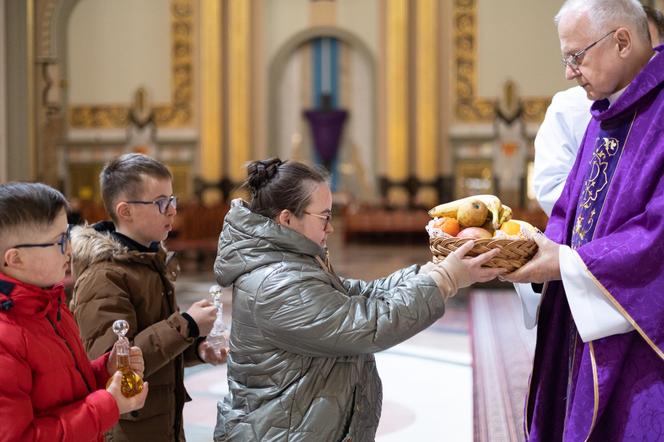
(327, 217)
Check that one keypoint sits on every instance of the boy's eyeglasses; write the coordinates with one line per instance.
(327, 217)
(62, 242)
(162, 203)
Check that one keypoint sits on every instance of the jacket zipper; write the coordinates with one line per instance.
(71, 352)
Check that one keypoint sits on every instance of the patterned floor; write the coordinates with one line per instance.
(502, 352)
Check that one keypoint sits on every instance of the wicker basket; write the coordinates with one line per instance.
(513, 253)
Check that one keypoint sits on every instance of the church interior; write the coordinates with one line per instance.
(407, 103)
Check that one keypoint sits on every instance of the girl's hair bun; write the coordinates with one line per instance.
(260, 173)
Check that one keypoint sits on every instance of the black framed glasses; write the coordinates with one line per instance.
(162, 203)
(574, 60)
(62, 242)
(327, 217)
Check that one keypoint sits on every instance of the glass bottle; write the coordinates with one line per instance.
(132, 384)
(218, 336)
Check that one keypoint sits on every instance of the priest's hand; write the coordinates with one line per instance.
(544, 266)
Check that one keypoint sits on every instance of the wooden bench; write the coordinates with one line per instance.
(376, 223)
(197, 231)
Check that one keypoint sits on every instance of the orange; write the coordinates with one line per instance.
(512, 228)
(447, 225)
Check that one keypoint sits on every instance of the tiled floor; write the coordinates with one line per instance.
(427, 380)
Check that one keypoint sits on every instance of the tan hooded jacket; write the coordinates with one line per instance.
(115, 283)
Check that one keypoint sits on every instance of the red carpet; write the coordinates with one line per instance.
(502, 356)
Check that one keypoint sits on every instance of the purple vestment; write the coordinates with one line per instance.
(612, 213)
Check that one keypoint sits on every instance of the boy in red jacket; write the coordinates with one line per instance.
(48, 388)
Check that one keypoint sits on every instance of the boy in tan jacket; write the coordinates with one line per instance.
(122, 271)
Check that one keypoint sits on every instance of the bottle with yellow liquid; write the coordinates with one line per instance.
(132, 384)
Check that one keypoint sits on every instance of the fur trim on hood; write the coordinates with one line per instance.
(90, 246)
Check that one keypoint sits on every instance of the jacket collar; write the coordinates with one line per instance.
(258, 226)
(129, 243)
(20, 298)
(100, 243)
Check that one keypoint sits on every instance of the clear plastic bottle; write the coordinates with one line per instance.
(132, 384)
(218, 336)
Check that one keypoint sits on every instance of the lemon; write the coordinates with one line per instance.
(511, 228)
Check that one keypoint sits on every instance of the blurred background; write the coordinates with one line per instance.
(408, 103)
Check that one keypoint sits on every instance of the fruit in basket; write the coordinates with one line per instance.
(488, 225)
(518, 228)
(447, 225)
(472, 213)
(504, 215)
(492, 203)
(511, 228)
(474, 233)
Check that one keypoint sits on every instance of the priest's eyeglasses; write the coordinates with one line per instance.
(327, 217)
(574, 60)
(62, 242)
(162, 203)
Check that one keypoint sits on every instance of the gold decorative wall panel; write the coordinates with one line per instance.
(469, 107)
(212, 122)
(427, 80)
(239, 78)
(396, 96)
(178, 113)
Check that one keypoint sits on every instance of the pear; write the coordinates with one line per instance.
(472, 213)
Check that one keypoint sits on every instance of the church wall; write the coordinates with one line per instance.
(111, 50)
(518, 41)
(282, 20)
(122, 45)
(362, 18)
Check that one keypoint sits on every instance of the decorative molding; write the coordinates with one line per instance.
(469, 107)
(46, 43)
(178, 113)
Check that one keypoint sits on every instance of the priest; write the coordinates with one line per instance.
(598, 370)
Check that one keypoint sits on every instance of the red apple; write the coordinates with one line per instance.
(475, 233)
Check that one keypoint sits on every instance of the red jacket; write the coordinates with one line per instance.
(48, 388)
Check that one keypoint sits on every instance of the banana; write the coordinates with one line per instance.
(505, 215)
(494, 205)
(450, 209)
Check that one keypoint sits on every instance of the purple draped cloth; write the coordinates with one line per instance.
(326, 129)
(611, 212)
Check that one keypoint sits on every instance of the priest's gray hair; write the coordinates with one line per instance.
(605, 15)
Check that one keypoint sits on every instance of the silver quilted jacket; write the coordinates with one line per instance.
(301, 364)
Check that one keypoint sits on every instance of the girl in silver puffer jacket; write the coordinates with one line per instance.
(301, 364)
